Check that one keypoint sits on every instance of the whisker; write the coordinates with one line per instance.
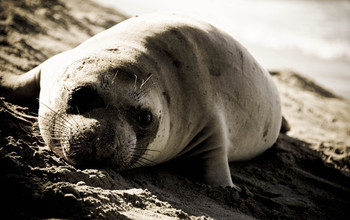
(145, 81)
(58, 137)
(141, 164)
(145, 149)
(135, 82)
(115, 75)
(61, 124)
(37, 115)
(128, 142)
(61, 129)
(77, 109)
(142, 143)
(57, 123)
(144, 154)
(59, 133)
(143, 159)
(141, 94)
(143, 91)
(74, 121)
(56, 112)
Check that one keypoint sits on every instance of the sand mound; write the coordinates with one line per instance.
(304, 175)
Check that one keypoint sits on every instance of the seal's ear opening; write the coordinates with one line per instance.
(84, 99)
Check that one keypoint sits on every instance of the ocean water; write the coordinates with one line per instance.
(311, 37)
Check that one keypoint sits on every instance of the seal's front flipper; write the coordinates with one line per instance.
(216, 171)
(20, 86)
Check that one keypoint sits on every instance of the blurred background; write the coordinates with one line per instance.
(311, 37)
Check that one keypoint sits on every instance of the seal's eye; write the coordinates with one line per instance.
(144, 119)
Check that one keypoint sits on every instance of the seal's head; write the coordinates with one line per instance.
(102, 113)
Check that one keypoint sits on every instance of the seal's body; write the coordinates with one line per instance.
(151, 89)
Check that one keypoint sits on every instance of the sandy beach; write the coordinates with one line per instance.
(305, 175)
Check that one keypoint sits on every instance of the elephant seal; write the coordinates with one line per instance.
(151, 89)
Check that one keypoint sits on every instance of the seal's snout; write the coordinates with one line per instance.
(85, 131)
(85, 136)
(90, 142)
(81, 141)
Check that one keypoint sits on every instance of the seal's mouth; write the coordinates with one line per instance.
(78, 154)
(90, 146)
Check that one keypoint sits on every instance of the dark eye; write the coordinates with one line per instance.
(144, 119)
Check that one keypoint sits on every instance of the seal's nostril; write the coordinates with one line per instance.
(84, 99)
